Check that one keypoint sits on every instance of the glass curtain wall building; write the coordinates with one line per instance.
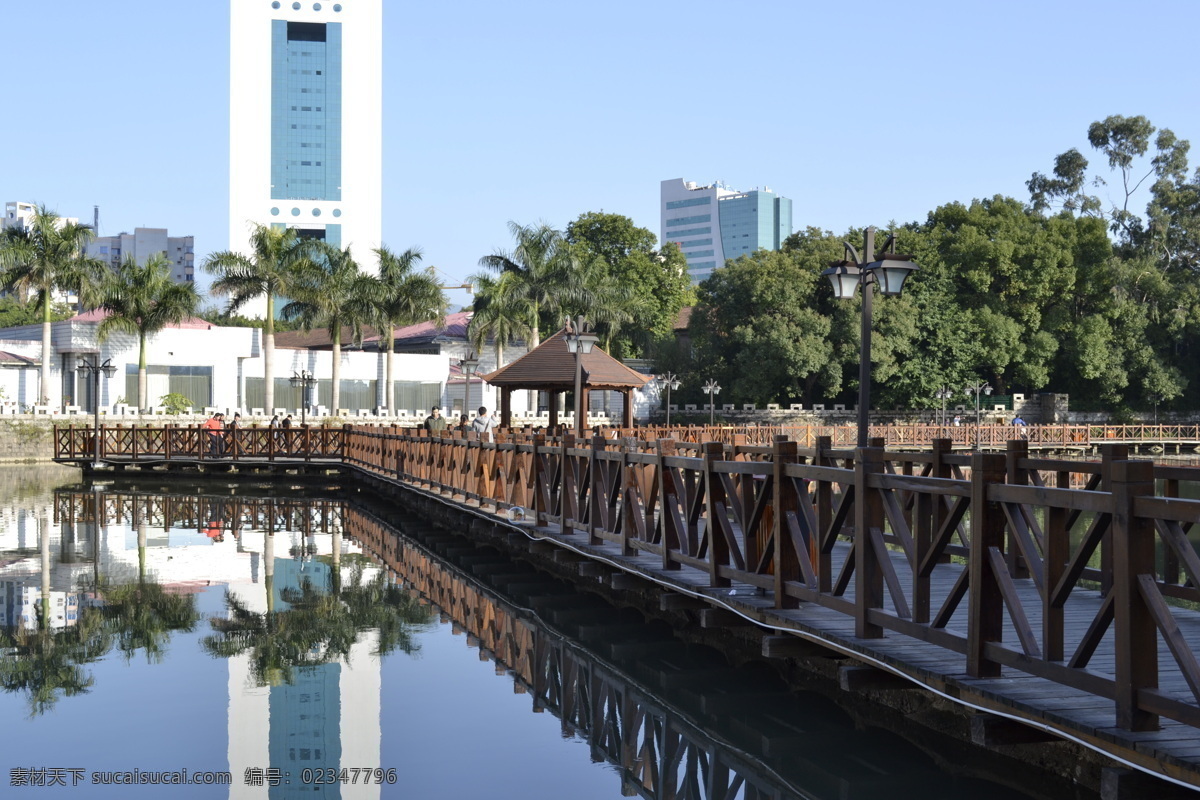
(305, 146)
(713, 223)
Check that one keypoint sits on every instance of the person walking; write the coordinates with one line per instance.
(435, 422)
(212, 426)
(231, 436)
(276, 436)
(483, 424)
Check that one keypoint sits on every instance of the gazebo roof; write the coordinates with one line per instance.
(551, 366)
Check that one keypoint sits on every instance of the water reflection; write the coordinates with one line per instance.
(275, 617)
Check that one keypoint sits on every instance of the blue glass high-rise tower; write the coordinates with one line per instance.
(714, 223)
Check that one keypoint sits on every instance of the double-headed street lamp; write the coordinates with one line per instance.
(94, 368)
(980, 387)
(888, 271)
(307, 380)
(668, 381)
(580, 340)
(712, 389)
(943, 394)
(469, 364)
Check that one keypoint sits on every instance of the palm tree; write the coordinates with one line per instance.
(143, 300)
(45, 258)
(606, 302)
(497, 315)
(333, 294)
(545, 274)
(404, 296)
(278, 253)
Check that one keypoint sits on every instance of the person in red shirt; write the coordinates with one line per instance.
(216, 447)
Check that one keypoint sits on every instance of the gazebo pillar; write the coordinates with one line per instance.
(553, 398)
(627, 408)
(505, 407)
(581, 425)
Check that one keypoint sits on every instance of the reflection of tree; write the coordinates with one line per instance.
(142, 615)
(46, 663)
(320, 626)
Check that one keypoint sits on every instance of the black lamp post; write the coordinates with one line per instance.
(580, 340)
(712, 389)
(469, 364)
(668, 381)
(981, 387)
(306, 380)
(94, 368)
(888, 271)
(943, 394)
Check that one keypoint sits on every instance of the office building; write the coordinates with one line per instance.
(305, 138)
(146, 242)
(714, 223)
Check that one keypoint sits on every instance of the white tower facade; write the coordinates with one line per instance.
(305, 120)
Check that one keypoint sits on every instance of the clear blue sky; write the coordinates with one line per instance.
(861, 112)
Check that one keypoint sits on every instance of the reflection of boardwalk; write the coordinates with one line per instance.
(647, 703)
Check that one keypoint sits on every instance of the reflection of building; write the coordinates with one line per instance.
(19, 600)
(328, 717)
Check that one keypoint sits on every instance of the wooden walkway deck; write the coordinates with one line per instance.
(1172, 753)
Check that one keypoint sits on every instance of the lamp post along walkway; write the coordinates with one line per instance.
(888, 271)
(93, 368)
(976, 389)
(306, 380)
(668, 381)
(712, 389)
(580, 340)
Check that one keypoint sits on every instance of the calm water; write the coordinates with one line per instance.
(291, 642)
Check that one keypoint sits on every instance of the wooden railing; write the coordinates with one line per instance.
(143, 443)
(952, 549)
(931, 545)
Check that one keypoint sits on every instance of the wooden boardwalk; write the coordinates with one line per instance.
(985, 578)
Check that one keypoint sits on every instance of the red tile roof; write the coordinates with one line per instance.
(99, 314)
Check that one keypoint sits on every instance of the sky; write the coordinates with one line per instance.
(863, 113)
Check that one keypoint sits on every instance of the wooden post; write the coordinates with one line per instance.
(626, 409)
(715, 508)
(505, 407)
(1016, 450)
(597, 499)
(1135, 634)
(985, 621)
(668, 493)
(928, 512)
(1109, 453)
(821, 448)
(787, 560)
(1055, 556)
(868, 514)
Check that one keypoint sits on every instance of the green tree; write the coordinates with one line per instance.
(498, 314)
(46, 258)
(333, 293)
(755, 329)
(278, 253)
(142, 300)
(545, 275)
(403, 296)
(658, 278)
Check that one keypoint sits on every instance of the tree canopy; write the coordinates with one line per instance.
(1074, 292)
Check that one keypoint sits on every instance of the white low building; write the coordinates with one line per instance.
(212, 366)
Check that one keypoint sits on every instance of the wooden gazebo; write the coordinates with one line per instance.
(550, 367)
